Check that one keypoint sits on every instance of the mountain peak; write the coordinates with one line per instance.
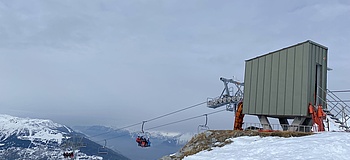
(31, 129)
(26, 138)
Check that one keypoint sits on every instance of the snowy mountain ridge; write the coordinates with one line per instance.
(25, 138)
(181, 138)
(31, 129)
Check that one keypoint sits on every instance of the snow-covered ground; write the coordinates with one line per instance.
(30, 129)
(326, 145)
(26, 138)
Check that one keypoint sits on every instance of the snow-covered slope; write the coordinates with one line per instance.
(326, 145)
(34, 130)
(25, 138)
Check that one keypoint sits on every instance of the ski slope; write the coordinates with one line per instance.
(326, 146)
(31, 129)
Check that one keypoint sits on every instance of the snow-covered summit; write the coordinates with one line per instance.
(181, 138)
(31, 129)
(25, 138)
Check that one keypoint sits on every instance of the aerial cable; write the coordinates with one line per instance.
(174, 122)
(185, 119)
(152, 119)
(115, 130)
(170, 123)
(114, 137)
(176, 111)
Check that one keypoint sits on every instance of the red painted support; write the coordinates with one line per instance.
(239, 117)
(317, 116)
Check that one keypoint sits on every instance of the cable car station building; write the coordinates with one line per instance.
(284, 83)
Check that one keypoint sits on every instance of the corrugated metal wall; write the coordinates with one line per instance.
(282, 83)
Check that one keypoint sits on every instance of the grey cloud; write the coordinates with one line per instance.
(120, 62)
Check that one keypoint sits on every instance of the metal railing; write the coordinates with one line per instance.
(337, 107)
(278, 127)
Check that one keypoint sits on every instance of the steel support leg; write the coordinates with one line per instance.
(296, 123)
(265, 123)
(284, 123)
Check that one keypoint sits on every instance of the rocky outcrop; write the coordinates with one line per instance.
(218, 138)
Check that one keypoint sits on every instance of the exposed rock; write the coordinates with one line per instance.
(219, 138)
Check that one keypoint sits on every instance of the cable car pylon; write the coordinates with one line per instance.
(233, 100)
(229, 97)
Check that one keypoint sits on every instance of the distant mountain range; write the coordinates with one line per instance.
(123, 141)
(36, 139)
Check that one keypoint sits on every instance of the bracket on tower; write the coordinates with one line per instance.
(228, 97)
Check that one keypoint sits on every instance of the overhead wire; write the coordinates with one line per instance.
(115, 130)
(117, 136)
(175, 111)
(186, 119)
(152, 119)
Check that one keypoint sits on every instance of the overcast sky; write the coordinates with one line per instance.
(114, 62)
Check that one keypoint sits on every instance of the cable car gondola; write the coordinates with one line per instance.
(142, 139)
(203, 127)
(103, 149)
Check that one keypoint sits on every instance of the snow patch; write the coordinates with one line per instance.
(325, 145)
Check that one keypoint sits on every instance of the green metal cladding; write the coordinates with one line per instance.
(283, 83)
